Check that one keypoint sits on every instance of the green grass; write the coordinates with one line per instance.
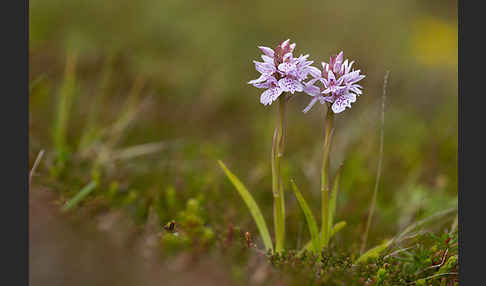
(309, 217)
(252, 207)
(74, 201)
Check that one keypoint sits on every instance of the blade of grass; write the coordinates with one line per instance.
(86, 190)
(129, 112)
(337, 227)
(115, 133)
(252, 206)
(139, 150)
(33, 84)
(36, 164)
(454, 224)
(380, 162)
(90, 130)
(67, 93)
(374, 252)
(311, 221)
(333, 199)
(424, 221)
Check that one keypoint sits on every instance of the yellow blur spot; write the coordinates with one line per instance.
(434, 42)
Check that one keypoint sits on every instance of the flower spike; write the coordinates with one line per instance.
(282, 72)
(339, 84)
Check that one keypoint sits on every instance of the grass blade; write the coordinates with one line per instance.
(380, 163)
(374, 252)
(333, 199)
(252, 206)
(91, 129)
(139, 150)
(36, 164)
(311, 221)
(337, 227)
(79, 196)
(424, 221)
(67, 93)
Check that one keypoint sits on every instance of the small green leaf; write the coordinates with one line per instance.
(374, 252)
(337, 227)
(311, 222)
(79, 196)
(252, 206)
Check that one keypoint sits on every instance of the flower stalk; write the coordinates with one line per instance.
(325, 185)
(277, 186)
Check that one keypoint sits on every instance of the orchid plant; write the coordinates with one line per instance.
(282, 76)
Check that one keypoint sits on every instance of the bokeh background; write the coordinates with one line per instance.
(144, 96)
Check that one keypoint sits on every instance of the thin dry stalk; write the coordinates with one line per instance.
(380, 162)
(36, 164)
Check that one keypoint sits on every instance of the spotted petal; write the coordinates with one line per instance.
(342, 102)
(286, 67)
(356, 89)
(290, 85)
(270, 95)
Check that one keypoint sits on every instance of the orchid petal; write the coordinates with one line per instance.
(270, 95)
(286, 67)
(342, 102)
(267, 51)
(262, 78)
(290, 85)
(311, 103)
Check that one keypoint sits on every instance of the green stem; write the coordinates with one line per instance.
(325, 186)
(277, 187)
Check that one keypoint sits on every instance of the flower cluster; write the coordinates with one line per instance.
(339, 84)
(282, 72)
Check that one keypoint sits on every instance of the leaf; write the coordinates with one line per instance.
(311, 222)
(333, 199)
(252, 206)
(67, 93)
(79, 196)
(374, 252)
(337, 227)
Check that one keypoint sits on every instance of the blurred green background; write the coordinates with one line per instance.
(107, 76)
